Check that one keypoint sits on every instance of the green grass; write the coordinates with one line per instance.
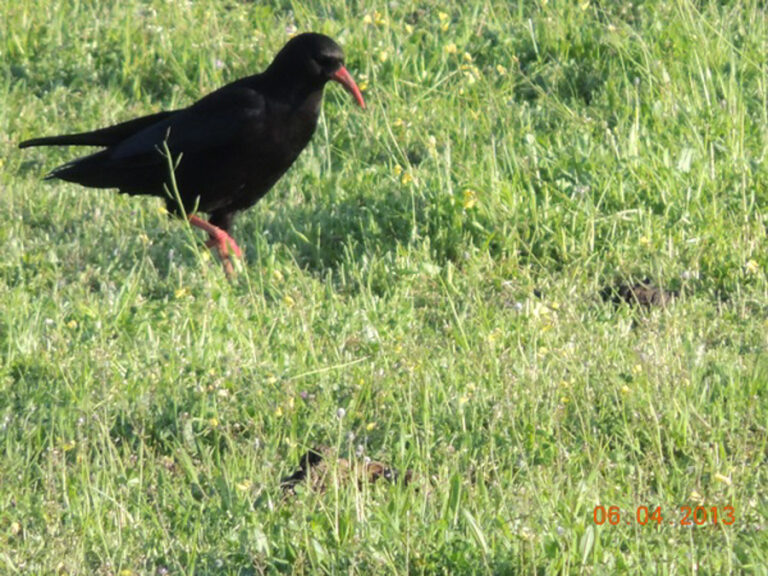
(432, 266)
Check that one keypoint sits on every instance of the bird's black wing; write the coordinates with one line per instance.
(206, 142)
(220, 119)
(103, 137)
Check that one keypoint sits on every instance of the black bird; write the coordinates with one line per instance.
(229, 148)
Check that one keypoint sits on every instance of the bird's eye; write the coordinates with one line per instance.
(327, 61)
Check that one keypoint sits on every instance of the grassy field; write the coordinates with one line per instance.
(422, 288)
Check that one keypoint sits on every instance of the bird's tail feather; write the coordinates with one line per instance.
(89, 171)
(102, 137)
(63, 140)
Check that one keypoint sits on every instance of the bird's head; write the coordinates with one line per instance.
(318, 59)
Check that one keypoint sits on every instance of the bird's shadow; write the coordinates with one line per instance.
(325, 231)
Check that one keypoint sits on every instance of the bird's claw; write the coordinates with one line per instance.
(218, 238)
(219, 242)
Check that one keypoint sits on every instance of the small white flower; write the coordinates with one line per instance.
(690, 275)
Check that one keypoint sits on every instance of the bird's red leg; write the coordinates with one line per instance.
(218, 239)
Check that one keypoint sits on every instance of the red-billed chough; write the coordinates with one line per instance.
(229, 148)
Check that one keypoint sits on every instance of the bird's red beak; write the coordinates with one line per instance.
(342, 77)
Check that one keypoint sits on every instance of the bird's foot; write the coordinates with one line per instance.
(219, 239)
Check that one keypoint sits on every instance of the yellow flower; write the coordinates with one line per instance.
(501, 70)
(375, 18)
(72, 324)
(398, 169)
(645, 241)
(467, 57)
(181, 293)
(288, 301)
(637, 369)
(752, 267)
(724, 479)
(279, 412)
(370, 426)
(383, 56)
(696, 497)
(244, 486)
(442, 16)
(451, 48)
(470, 199)
(527, 534)
(214, 422)
(625, 389)
(406, 178)
(277, 275)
